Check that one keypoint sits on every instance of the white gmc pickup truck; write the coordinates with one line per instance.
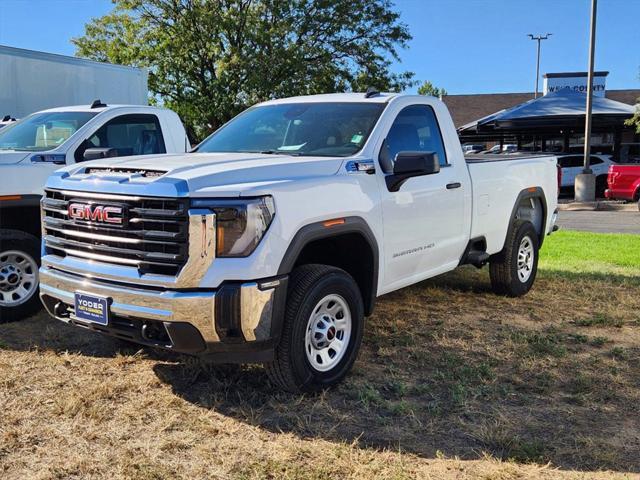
(36, 146)
(272, 241)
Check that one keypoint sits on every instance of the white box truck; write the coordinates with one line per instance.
(31, 81)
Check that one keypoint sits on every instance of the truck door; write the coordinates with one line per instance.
(131, 134)
(425, 223)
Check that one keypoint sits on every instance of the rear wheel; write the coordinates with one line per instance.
(601, 186)
(514, 269)
(322, 330)
(19, 261)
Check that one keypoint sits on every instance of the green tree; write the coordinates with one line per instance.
(635, 120)
(210, 59)
(428, 88)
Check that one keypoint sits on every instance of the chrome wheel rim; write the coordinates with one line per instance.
(18, 278)
(525, 259)
(328, 333)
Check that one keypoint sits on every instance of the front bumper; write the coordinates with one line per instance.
(238, 322)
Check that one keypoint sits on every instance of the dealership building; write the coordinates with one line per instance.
(468, 108)
(552, 122)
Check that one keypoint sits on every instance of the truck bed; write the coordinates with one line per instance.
(501, 157)
(497, 181)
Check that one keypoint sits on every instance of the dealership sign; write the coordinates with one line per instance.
(576, 81)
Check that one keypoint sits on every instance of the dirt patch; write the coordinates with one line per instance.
(452, 382)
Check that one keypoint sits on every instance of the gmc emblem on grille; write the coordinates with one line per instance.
(111, 214)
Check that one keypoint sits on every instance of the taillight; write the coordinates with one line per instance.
(612, 177)
(559, 176)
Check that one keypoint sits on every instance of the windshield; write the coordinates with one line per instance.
(42, 131)
(308, 129)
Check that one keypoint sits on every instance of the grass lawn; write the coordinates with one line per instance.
(452, 382)
(597, 253)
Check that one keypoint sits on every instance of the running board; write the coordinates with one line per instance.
(475, 254)
(477, 259)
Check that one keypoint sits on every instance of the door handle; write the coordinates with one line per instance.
(451, 186)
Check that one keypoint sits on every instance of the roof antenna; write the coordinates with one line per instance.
(371, 92)
(98, 104)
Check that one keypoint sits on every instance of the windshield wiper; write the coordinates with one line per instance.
(279, 152)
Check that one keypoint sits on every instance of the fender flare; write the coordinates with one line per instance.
(20, 201)
(527, 193)
(319, 231)
(22, 214)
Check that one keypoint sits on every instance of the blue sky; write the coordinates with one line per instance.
(465, 46)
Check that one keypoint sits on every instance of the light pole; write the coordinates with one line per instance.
(585, 186)
(538, 38)
(587, 120)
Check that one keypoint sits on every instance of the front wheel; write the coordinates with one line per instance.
(514, 269)
(322, 330)
(19, 260)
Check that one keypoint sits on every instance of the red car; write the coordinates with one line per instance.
(623, 182)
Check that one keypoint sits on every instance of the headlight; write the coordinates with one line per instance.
(240, 223)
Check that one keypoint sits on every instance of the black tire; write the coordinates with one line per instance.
(17, 307)
(503, 268)
(601, 186)
(291, 370)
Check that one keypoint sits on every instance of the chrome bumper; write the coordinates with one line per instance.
(240, 313)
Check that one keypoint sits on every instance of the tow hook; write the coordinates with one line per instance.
(155, 332)
(61, 310)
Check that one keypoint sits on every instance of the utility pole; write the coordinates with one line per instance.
(585, 186)
(538, 38)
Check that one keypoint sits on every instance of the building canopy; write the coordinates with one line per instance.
(555, 111)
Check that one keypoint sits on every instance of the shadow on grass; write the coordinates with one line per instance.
(431, 383)
(43, 332)
(461, 406)
(611, 278)
(427, 381)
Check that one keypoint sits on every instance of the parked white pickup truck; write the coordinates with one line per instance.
(271, 242)
(32, 148)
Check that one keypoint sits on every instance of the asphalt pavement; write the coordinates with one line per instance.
(600, 221)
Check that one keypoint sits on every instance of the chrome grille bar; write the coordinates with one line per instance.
(58, 224)
(153, 238)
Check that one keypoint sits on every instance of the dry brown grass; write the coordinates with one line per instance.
(452, 382)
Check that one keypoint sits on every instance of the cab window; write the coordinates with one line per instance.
(415, 129)
(577, 161)
(137, 134)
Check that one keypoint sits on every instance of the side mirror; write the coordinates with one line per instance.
(411, 164)
(97, 153)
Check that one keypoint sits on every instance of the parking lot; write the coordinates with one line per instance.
(599, 221)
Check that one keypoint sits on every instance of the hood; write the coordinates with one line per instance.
(195, 174)
(10, 157)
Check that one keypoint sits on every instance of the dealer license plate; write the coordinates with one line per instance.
(92, 308)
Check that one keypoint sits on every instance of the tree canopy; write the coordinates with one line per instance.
(210, 59)
(635, 120)
(428, 88)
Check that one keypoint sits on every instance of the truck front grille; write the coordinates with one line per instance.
(153, 236)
